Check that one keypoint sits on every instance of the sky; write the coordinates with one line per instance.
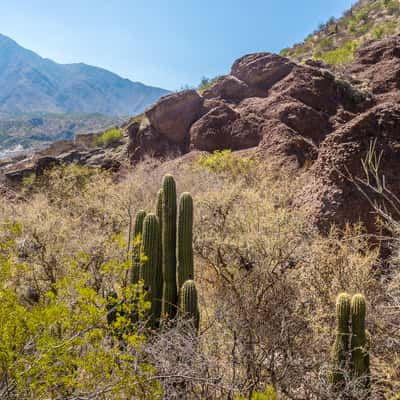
(164, 43)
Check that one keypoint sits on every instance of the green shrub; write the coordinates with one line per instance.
(224, 162)
(111, 136)
(342, 55)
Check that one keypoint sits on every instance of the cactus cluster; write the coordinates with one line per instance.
(164, 235)
(350, 350)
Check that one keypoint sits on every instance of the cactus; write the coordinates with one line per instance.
(137, 232)
(185, 239)
(150, 268)
(359, 351)
(170, 294)
(341, 346)
(189, 304)
(159, 207)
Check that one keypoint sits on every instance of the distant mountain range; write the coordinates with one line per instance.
(42, 101)
(30, 83)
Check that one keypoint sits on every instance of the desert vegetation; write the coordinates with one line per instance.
(83, 315)
(336, 41)
(110, 136)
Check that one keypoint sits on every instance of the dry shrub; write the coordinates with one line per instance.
(267, 279)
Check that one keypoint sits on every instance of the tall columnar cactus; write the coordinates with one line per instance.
(170, 294)
(150, 268)
(159, 207)
(137, 232)
(159, 213)
(185, 239)
(189, 303)
(341, 346)
(359, 350)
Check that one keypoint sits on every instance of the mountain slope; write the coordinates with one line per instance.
(30, 83)
(337, 41)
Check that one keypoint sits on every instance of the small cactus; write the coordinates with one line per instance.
(170, 293)
(359, 350)
(341, 346)
(189, 303)
(137, 232)
(150, 268)
(185, 239)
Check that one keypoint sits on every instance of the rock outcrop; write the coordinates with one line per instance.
(330, 195)
(378, 65)
(300, 114)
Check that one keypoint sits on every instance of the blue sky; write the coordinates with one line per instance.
(166, 43)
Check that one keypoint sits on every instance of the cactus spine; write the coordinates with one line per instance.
(189, 303)
(137, 232)
(341, 345)
(185, 239)
(150, 268)
(170, 294)
(359, 351)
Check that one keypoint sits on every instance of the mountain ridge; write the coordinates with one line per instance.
(31, 83)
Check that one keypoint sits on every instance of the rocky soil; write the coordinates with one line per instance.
(299, 114)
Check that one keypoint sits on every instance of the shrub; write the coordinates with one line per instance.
(266, 283)
(225, 162)
(342, 55)
(57, 343)
(110, 136)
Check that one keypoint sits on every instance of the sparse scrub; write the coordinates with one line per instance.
(266, 283)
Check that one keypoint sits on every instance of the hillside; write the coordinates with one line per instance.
(337, 41)
(239, 242)
(30, 83)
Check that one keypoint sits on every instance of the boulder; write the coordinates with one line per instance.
(261, 70)
(223, 128)
(172, 115)
(232, 89)
(146, 141)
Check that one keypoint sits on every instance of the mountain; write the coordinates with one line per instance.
(337, 41)
(30, 83)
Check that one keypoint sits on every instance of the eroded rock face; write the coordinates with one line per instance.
(172, 115)
(330, 195)
(378, 64)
